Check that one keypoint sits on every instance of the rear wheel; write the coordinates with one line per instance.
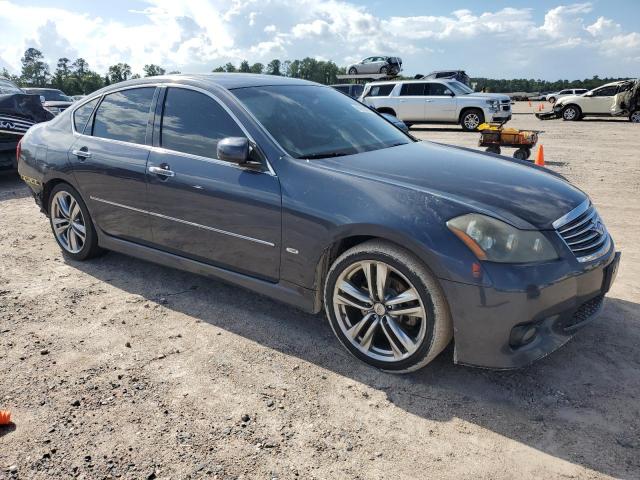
(71, 223)
(635, 117)
(386, 308)
(522, 153)
(471, 119)
(383, 70)
(571, 113)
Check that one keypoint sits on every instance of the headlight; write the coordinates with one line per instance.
(495, 241)
(493, 104)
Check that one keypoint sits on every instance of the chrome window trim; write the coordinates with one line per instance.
(150, 147)
(185, 222)
(572, 215)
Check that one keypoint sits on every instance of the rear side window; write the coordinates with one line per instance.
(380, 90)
(606, 91)
(82, 114)
(124, 115)
(412, 89)
(356, 90)
(194, 123)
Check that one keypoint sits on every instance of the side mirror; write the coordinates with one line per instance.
(234, 149)
(588, 94)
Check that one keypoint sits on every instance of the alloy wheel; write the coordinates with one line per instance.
(68, 222)
(471, 121)
(570, 113)
(379, 311)
(635, 117)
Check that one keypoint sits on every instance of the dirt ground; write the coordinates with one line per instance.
(118, 368)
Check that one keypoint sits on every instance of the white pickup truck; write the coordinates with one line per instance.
(436, 101)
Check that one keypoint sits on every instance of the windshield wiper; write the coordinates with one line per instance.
(316, 156)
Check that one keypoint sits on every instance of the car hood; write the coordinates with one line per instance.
(487, 96)
(525, 196)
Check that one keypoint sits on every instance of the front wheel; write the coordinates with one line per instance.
(386, 307)
(552, 100)
(353, 71)
(522, 153)
(71, 223)
(471, 120)
(635, 117)
(571, 113)
(383, 70)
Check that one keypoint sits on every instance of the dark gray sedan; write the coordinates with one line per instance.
(298, 192)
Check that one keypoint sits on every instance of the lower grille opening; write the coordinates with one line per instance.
(585, 312)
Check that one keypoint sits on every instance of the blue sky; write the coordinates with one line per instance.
(547, 39)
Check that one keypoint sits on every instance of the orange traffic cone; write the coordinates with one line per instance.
(5, 417)
(540, 156)
(540, 107)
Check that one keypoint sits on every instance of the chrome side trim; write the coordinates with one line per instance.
(185, 222)
(573, 214)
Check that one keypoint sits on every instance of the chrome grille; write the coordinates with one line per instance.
(584, 233)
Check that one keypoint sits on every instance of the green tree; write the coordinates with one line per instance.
(119, 72)
(256, 68)
(35, 71)
(230, 68)
(218, 69)
(153, 70)
(61, 76)
(273, 67)
(244, 67)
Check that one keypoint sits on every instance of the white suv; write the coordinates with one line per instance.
(437, 101)
(553, 97)
(598, 102)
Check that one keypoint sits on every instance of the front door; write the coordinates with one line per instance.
(601, 101)
(204, 208)
(440, 104)
(109, 159)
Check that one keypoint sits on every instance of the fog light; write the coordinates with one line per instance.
(522, 335)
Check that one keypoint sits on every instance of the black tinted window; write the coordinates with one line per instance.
(606, 91)
(342, 88)
(124, 115)
(380, 90)
(437, 89)
(194, 123)
(82, 114)
(412, 89)
(356, 90)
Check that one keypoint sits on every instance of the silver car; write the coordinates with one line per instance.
(380, 65)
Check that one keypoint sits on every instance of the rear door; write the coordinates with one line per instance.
(204, 208)
(440, 104)
(109, 159)
(411, 106)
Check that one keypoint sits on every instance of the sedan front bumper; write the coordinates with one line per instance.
(532, 311)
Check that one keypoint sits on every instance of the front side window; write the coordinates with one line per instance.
(82, 114)
(194, 123)
(124, 115)
(412, 89)
(437, 90)
(318, 122)
(606, 91)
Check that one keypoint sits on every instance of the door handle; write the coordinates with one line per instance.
(162, 171)
(428, 100)
(82, 153)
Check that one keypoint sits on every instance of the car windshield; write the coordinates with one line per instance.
(459, 88)
(8, 87)
(318, 122)
(50, 95)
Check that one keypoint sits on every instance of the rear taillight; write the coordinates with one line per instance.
(18, 149)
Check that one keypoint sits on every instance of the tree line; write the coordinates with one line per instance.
(76, 78)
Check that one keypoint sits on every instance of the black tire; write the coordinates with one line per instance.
(571, 113)
(634, 117)
(90, 246)
(435, 324)
(522, 153)
(494, 149)
(353, 71)
(383, 70)
(552, 100)
(471, 119)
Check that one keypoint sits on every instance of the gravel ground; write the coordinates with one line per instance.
(117, 368)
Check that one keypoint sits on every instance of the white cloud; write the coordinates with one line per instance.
(201, 34)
